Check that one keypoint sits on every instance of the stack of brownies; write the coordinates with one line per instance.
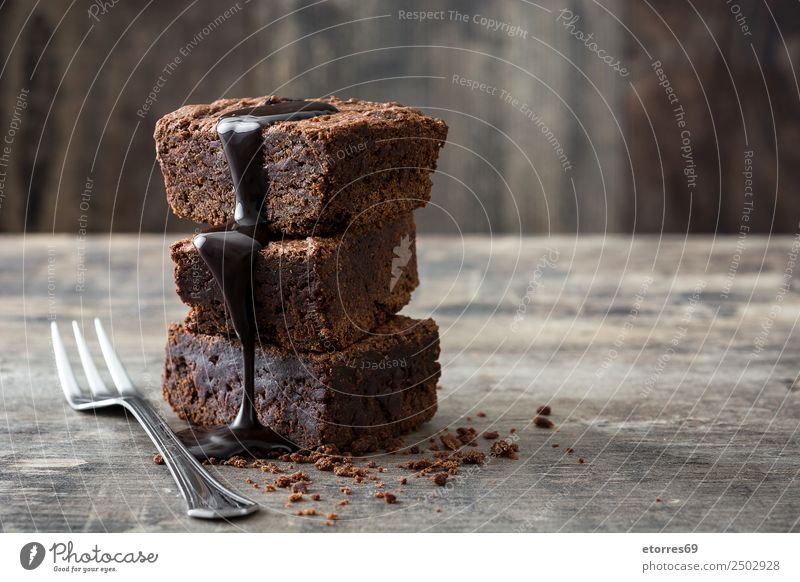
(335, 364)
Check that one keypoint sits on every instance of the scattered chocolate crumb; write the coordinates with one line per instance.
(332, 516)
(269, 488)
(328, 522)
(544, 410)
(295, 497)
(236, 461)
(315, 497)
(450, 441)
(440, 479)
(513, 430)
(299, 487)
(324, 464)
(418, 465)
(402, 480)
(570, 450)
(481, 414)
(466, 434)
(285, 481)
(581, 461)
(469, 419)
(380, 494)
(390, 498)
(474, 457)
(309, 511)
(414, 450)
(438, 510)
(343, 502)
(158, 459)
(658, 500)
(490, 435)
(543, 422)
(505, 448)
(555, 445)
(345, 490)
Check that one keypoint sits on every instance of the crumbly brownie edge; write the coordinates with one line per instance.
(317, 294)
(322, 172)
(348, 399)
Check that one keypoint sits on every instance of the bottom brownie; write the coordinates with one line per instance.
(358, 398)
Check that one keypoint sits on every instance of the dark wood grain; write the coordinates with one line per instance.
(88, 77)
(671, 366)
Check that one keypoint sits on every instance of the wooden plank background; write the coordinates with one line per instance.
(84, 71)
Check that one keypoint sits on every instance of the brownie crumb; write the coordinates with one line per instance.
(440, 479)
(295, 497)
(543, 422)
(481, 414)
(331, 516)
(414, 450)
(555, 445)
(474, 457)
(236, 461)
(299, 487)
(380, 494)
(581, 461)
(343, 502)
(490, 435)
(658, 500)
(269, 488)
(466, 434)
(315, 497)
(570, 450)
(438, 510)
(402, 480)
(450, 441)
(328, 522)
(345, 490)
(505, 448)
(418, 465)
(158, 459)
(390, 498)
(469, 419)
(309, 511)
(325, 464)
(544, 410)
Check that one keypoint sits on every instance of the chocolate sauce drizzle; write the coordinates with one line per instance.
(229, 252)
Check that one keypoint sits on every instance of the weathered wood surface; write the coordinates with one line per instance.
(665, 392)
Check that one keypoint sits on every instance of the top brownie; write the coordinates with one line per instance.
(319, 173)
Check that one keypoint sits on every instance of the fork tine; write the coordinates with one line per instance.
(118, 373)
(96, 384)
(69, 384)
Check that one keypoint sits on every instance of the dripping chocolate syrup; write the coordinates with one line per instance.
(229, 251)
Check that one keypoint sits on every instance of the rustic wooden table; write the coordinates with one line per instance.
(671, 366)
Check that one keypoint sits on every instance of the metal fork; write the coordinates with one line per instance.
(205, 496)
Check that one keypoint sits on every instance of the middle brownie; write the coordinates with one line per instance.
(312, 294)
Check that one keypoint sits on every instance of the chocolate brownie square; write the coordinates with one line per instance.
(311, 294)
(357, 398)
(319, 173)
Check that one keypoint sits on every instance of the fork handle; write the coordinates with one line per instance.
(205, 496)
